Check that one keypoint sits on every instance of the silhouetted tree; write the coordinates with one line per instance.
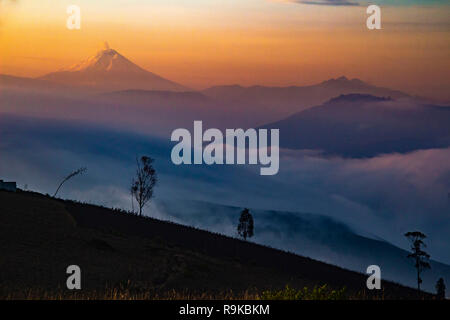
(143, 183)
(245, 226)
(440, 289)
(420, 257)
(73, 174)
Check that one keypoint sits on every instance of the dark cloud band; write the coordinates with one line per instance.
(328, 2)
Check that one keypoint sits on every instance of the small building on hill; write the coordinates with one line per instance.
(9, 186)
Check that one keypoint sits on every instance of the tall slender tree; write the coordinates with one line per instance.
(420, 257)
(144, 181)
(245, 226)
(440, 289)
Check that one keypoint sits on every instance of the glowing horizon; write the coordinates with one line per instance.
(253, 42)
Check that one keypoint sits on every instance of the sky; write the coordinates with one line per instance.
(201, 43)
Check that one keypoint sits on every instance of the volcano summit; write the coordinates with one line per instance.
(110, 71)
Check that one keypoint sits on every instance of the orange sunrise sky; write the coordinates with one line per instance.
(268, 42)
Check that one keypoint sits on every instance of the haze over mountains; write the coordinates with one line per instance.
(109, 88)
(282, 101)
(120, 82)
(358, 125)
(373, 134)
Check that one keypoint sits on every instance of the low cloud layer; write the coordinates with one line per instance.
(328, 2)
(379, 197)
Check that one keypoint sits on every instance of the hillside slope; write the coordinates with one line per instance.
(316, 236)
(41, 236)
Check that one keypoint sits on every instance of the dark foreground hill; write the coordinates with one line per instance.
(41, 236)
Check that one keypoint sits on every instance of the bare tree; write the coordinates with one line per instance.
(73, 174)
(421, 257)
(143, 183)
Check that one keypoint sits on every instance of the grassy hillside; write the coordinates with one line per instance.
(125, 256)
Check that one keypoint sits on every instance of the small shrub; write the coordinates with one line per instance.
(317, 293)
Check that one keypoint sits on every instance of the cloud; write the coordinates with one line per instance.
(384, 196)
(327, 2)
(365, 2)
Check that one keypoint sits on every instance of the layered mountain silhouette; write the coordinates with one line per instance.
(109, 70)
(358, 125)
(233, 106)
(120, 82)
(131, 96)
(283, 101)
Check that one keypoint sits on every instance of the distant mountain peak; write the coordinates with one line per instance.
(344, 81)
(358, 97)
(109, 70)
(106, 59)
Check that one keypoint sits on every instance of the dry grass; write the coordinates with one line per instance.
(117, 294)
(288, 293)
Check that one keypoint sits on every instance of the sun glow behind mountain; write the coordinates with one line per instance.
(204, 43)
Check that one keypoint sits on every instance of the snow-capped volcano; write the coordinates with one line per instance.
(109, 70)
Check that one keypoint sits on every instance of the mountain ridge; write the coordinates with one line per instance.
(360, 125)
(341, 81)
(279, 102)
